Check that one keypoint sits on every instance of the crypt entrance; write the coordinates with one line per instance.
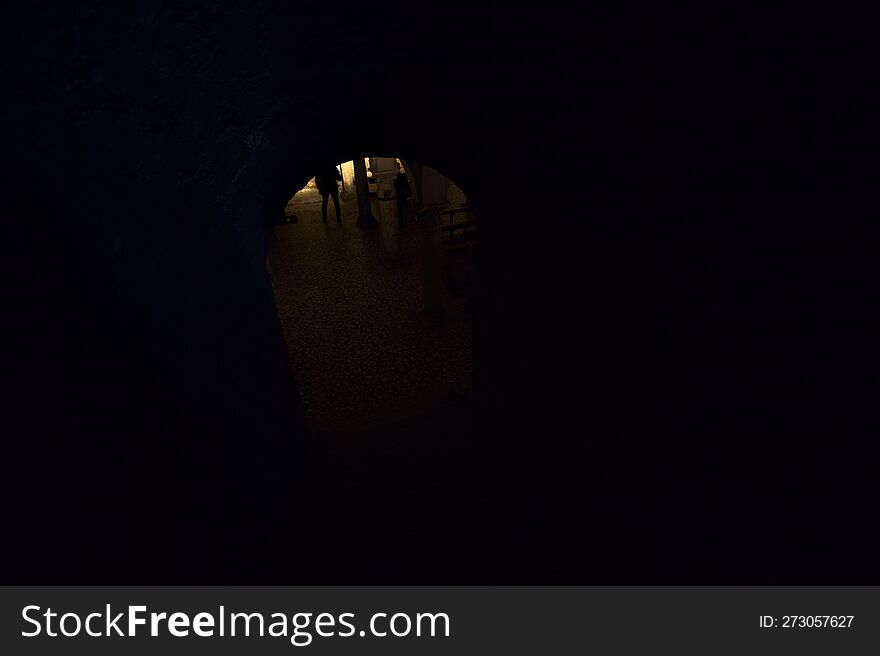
(361, 325)
(377, 312)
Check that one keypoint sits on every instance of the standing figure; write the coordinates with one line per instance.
(327, 179)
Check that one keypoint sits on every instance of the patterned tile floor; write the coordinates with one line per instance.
(351, 324)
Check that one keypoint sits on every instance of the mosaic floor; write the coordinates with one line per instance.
(351, 324)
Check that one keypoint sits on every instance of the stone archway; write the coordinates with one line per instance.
(349, 265)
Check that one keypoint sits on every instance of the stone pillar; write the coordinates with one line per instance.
(347, 180)
(385, 171)
(365, 219)
(433, 307)
(431, 195)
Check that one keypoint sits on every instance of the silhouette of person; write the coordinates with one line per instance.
(403, 192)
(327, 179)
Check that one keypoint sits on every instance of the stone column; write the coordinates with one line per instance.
(433, 307)
(365, 219)
(347, 180)
(385, 171)
(432, 198)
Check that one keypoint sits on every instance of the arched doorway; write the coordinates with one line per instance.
(364, 341)
(388, 394)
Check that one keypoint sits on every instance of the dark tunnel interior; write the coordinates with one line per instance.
(661, 366)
